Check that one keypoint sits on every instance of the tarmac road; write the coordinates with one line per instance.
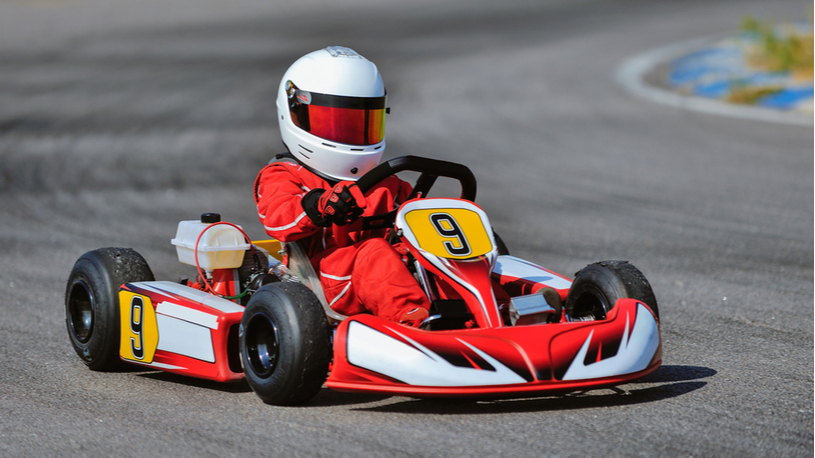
(118, 119)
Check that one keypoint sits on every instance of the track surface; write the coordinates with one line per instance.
(119, 119)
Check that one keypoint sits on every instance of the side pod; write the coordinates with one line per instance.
(178, 329)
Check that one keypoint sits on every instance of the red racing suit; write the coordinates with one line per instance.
(366, 275)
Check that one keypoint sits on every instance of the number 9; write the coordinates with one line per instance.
(461, 247)
(136, 319)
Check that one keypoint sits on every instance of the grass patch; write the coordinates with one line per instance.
(750, 95)
(779, 49)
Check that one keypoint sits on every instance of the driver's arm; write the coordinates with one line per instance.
(278, 192)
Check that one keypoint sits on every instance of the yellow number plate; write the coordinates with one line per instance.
(139, 330)
(455, 233)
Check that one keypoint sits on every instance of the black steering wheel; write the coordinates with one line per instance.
(430, 170)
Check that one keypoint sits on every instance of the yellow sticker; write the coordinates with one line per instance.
(455, 233)
(139, 330)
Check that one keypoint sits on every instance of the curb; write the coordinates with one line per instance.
(637, 76)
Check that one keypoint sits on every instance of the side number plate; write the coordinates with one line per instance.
(139, 330)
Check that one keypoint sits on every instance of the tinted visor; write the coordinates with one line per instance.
(336, 118)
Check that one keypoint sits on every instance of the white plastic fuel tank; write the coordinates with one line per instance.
(220, 247)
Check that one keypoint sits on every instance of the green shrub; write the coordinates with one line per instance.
(779, 50)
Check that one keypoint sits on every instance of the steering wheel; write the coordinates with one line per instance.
(430, 170)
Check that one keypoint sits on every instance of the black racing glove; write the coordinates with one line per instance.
(341, 205)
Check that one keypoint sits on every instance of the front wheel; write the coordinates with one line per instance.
(92, 303)
(284, 342)
(597, 287)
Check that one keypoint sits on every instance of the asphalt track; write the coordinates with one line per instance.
(118, 119)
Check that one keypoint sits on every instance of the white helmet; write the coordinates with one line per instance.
(331, 106)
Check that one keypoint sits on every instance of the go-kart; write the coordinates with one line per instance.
(499, 326)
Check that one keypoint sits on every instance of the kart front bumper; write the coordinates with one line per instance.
(376, 356)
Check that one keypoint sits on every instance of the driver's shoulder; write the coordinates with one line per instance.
(293, 170)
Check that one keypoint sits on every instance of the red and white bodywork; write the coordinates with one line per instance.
(450, 240)
(176, 328)
(374, 355)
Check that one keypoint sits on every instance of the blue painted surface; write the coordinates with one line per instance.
(716, 89)
(788, 98)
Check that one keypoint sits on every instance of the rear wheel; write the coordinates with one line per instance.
(284, 343)
(92, 303)
(597, 287)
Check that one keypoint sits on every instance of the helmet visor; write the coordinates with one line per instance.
(336, 118)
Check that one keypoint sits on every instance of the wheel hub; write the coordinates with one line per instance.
(589, 306)
(262, 349)
(80, 311)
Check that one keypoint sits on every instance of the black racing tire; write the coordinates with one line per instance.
(597, 287)
(285, 344)
(92, 303)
